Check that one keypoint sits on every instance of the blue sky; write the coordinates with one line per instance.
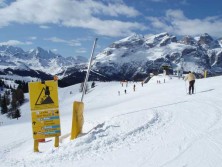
(69, 27)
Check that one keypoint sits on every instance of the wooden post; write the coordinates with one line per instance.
(56, 141)
(36, 146)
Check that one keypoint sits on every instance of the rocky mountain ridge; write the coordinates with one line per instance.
(136, 56)
(36, 59)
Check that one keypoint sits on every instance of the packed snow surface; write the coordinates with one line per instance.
(158, 125)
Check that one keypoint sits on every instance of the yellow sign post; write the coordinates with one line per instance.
(77, 119)
(44, 111)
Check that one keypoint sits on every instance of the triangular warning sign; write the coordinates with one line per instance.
(44, 97)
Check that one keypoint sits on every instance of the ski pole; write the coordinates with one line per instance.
(186, 87)
(194, 87)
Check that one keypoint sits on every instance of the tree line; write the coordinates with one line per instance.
(12, 98)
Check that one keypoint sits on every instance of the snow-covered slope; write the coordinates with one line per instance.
(157, 125)
(36, 59)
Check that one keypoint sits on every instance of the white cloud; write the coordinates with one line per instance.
(72, 13)
(107, 27)
(44, 27)
(68, 42)
(15, 43)
(177, 23)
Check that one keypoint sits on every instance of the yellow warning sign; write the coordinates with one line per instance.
(44, 109)
(43, 95)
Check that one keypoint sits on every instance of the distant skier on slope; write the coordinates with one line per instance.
(191, 78)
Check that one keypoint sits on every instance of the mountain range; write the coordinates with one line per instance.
(131, 58)
(136, 56)
(36, 59)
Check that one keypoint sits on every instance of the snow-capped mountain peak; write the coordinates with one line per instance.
(11, 49)
(207, 42)
(35, 59)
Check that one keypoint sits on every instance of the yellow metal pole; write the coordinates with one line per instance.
(205, 74)
(56, 141)
(36, 146)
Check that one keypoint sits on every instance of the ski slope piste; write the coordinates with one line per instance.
(158, 125)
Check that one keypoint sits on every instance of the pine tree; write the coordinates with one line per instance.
(14, 102)
(17, 113)
(17, 99)
(1, 83)
(22, 85)
(7, 98)
(10, 114)
(20, 96)
(4, 107)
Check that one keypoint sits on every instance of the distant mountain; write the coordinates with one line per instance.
(36, 59)
(136, 56)
(42, 64)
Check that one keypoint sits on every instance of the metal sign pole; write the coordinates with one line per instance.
(89, 68)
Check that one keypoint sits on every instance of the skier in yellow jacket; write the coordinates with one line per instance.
(191, 78)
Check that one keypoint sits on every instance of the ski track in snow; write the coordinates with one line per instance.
(99, 140)
(205, 135)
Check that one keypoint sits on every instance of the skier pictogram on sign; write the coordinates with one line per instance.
(44, 97)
